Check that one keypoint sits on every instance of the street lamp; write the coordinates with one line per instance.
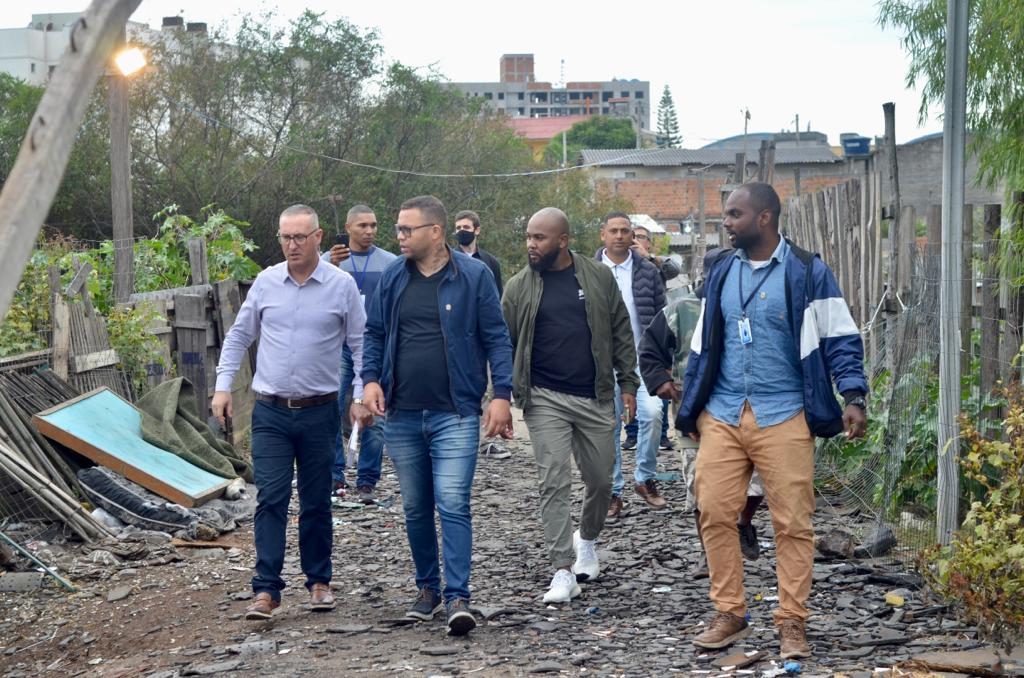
(128, 61)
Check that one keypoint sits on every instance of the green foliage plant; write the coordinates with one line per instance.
(982, 569)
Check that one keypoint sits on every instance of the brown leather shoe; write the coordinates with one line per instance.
(615, 507)
(262, 607)
(650, 493)
(793, 639)
(320, 597)
(724, 630)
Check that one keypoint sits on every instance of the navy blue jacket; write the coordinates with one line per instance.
(823, 330)
(473, 327)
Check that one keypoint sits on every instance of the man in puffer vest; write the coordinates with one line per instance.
(773, 337)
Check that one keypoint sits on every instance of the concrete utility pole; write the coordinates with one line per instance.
(121, 185)
(28, 193)
(954, 132)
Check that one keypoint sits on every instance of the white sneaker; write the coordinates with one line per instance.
(586, 566)
(563, 588)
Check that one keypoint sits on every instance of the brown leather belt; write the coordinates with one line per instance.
(298, 403)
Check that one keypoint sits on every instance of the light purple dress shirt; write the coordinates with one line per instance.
(301, 330)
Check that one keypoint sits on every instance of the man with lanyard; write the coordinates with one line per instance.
(364, 262)
(467, 233)
(774, 335)
(302, 310)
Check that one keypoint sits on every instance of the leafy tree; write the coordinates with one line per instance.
(668, 125)
(600, 131)
(995, 75)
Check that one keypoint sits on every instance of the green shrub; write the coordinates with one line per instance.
(982, 569)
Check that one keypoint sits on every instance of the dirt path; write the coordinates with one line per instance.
(184, 618)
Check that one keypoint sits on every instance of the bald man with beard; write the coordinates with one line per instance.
(572, 340)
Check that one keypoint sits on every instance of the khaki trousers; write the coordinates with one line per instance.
(784, 456)
(561, 427)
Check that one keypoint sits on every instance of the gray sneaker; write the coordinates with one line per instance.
(366, 494)
(427, 604)
(460, 620)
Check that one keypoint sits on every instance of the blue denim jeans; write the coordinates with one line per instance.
(648, 418)
(434, 454)
(631, 428)
(371, 440)
(284, 440)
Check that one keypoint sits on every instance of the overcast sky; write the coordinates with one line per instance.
(824, 60)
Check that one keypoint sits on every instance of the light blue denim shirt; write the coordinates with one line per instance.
(766, 372)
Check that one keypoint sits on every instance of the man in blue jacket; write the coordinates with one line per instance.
(774, 334)
(433, 327)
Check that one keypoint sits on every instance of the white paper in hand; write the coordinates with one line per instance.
(353, 446)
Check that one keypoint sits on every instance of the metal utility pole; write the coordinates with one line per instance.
(121, 185)
(954, 132)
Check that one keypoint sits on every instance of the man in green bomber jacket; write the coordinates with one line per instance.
(556, 308)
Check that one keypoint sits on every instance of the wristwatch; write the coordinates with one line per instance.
(859, 401)
(359, 401)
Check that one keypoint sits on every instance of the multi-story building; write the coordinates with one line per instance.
(518, 94)
(32, 52)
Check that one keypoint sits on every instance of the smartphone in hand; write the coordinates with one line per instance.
(341, 239)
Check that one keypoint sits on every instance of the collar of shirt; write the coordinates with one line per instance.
(317, 274)
(779, 254)
(625, 267)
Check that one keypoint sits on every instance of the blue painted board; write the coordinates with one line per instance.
(108, 430)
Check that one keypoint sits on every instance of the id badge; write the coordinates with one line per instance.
(362, 298)
(744, 326)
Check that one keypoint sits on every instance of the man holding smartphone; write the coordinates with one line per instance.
(355, 253)
(556, 308)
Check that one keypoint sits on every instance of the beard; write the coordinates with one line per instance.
(544, 262)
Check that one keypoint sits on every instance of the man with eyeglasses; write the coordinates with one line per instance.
(365, 262)
(433, 327)
(467, 233)
(300, 308)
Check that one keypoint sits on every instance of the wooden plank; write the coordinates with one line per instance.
(197, 261)
(227, 302)
(61, 336)
(205, 543)
(990, 300)
(190, 330)
(933, 222)
(168, 295)
(29, 189)
(77, 283)
(93, 361)
(904, 248)
(108, 430)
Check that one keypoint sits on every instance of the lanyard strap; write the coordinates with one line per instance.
(362, 276)
(743, 304)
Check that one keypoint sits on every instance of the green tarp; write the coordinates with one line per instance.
(170, 421)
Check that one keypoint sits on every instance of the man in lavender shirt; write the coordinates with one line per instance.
(303, 311)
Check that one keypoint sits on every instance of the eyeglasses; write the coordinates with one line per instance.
(639, 236)
(299, 239)
(407, 230)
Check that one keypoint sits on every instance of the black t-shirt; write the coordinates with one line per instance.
(561, 358)
(421, 365)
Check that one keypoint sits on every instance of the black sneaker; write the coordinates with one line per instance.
(629, 444)
(428, 603)
(366, 494)
(667, 444)
(748, 542)
(460, 620)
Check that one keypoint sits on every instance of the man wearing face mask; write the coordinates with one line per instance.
(467, 230)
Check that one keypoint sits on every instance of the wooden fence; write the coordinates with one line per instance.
(878, 264)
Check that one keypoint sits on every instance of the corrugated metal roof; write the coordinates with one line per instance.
(674, 157)
(543, 128)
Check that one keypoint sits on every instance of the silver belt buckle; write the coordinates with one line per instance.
(288, 404)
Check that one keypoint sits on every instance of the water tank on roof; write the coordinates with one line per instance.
(855, 145)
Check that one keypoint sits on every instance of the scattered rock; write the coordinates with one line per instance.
(877, 544)
(118, 593)
(837, 543)
(546, 667)
(211, 669)
(349, 629)
(439, 650)
(739, 660)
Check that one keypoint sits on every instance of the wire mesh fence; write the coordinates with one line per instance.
(891, 475)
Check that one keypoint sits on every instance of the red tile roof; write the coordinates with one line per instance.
(543, 128)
